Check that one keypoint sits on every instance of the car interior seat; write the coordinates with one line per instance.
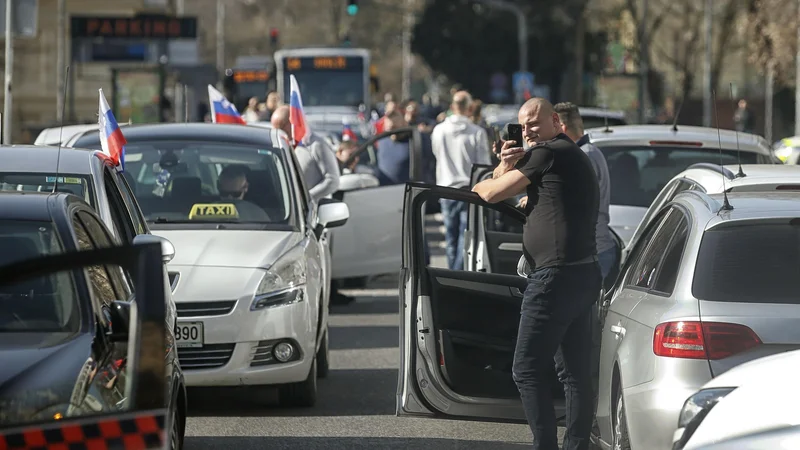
(625, 180)
(186, 191)
(264, 190)
(40, 304)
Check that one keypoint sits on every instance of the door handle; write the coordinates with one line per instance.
(618, 330)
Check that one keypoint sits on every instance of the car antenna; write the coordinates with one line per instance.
(738, 150)
(678, 113)
(61, 126)
(726, 205)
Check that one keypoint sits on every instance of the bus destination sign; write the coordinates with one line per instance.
(324, 63)
(247, 76)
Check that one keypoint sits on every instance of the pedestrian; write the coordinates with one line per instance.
(744, 118)
(317, 160)
(250, 114)
(559, 243)
(457, 144)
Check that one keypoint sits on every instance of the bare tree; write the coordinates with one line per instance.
(771, 28)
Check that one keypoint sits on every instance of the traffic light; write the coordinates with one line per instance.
(273, 36)
(352, 7)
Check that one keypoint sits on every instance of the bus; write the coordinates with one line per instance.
(251, 76)
(326, 76)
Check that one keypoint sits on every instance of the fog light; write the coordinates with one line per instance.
(283, 351)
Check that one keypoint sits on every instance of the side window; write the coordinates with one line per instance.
(119, 212)
(644, 273)
(668, 273)
(305, 198)
(115, 277)
(663, 197)
(639, 247)
(130, 201)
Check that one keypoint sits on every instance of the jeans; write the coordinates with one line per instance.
(454, 214)
(556, 323)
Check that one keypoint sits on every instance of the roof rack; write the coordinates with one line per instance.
(715, 167)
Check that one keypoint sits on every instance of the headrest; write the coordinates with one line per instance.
(186, 186)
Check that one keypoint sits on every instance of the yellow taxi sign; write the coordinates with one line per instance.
(214, 210)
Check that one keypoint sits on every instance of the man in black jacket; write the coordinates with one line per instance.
(559, 244)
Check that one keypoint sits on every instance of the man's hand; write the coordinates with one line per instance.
(509, 155)
(523, 202)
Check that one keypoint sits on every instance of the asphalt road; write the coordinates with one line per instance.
(356, 404)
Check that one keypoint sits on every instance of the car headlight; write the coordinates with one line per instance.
(695, 409)
(284, 282)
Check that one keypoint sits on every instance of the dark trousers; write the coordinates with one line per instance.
(556, 323)
(454, 216)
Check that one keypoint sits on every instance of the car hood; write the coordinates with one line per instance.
(624, 220)
(228, 248)
(35, 375)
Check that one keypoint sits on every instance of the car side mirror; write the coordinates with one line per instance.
(119, 317)
(167, 249)
(332, 213)
(353, 181)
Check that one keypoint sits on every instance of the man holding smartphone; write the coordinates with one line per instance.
(559, 243)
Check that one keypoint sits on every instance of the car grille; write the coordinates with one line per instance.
(202, 309)
(209, 356)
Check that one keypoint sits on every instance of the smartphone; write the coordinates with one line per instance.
(515, 133)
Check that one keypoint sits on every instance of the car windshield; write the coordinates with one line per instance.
(41, 304)
(749, 263)
(79, 185)
(191, 182)
(639, 173)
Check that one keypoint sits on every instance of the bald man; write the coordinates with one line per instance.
(457, 144)
(559, 244)
(317, 160)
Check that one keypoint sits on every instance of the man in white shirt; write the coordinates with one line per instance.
(457, 144)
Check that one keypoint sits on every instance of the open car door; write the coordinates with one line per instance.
(458, 328)
(370, 242)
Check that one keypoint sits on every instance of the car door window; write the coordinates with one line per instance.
(112, 280)
(645, 271)
(668, 272)
(119, 212)
(130, 202)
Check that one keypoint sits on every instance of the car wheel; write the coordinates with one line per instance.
(175, 438)
(302, 394)
(323, 363)
(621, 440)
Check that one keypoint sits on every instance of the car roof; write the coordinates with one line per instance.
(54, 135)
(16, 205)
(208, 132)
(496, 114)
(746, 205)
(643, 135)
(40, 158)
(709, 176)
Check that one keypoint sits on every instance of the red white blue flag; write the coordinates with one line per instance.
(347, 132)
(300, 130)
(111, 139)
(223, 111)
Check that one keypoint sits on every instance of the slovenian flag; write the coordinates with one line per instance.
(300, 131)
(111, 139)
(347, 132)
(223, 111)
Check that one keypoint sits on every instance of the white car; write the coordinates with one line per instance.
(251, 274)
(61, 135)
(713, 179)
(752, 398)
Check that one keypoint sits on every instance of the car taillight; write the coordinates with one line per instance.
(700, 340)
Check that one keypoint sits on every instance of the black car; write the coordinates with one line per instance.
(61, 353)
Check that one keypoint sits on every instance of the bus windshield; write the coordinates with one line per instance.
(327, 81)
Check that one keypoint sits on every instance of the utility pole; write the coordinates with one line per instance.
(220, 38)
(407, 57)
(797, 78)
(9, 73)
(708, 16)
(61, 59)
(180, 91)
(643, 66)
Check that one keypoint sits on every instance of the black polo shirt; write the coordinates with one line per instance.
(563, 200)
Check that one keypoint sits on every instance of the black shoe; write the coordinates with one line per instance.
(341, 299)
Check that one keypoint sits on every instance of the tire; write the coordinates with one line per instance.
(302, 394)
(323, 363)
(621, 440)
(175, 437)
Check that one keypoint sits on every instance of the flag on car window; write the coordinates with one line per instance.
(223, 111)
(300, 130)
(111, 139)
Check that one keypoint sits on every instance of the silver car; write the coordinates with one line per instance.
(705, 289)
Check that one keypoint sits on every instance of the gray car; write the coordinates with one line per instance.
(705, 289)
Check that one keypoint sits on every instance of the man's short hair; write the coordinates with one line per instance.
(570, 115)
(462, 100)
(233, 172)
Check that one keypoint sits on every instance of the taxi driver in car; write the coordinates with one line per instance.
(232, 185)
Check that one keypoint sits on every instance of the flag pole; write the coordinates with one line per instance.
(294, 142)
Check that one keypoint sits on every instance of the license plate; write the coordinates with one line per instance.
(189, 334)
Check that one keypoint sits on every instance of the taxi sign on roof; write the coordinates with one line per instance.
(214, 210)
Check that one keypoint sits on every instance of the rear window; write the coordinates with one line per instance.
(597, 122)
(639, 173)
(79, 185)
(755, 263)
